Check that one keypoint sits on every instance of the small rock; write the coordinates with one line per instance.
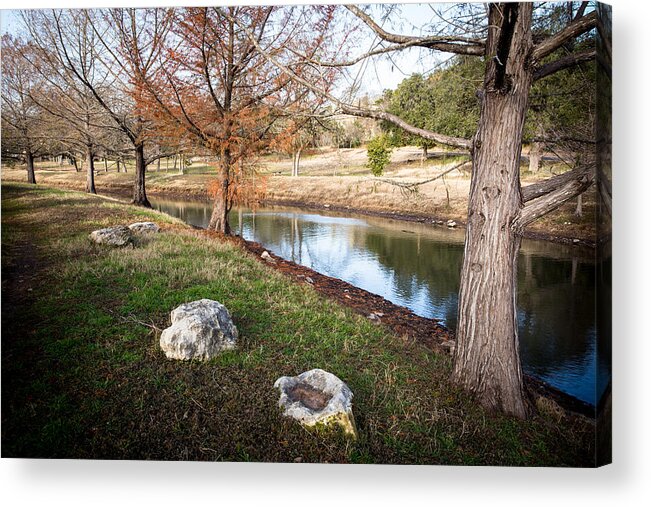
(375, 315)
(317, 399)
(309, 280)
(451, 223)
(200, 330)
(450, 345)
(267, 257)
(326, 205)
(119, 235)
(144, 227)
(298, 460)
(575, 240)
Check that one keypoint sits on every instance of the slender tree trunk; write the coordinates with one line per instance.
(139, 194)
(117, 163)
(90, 173)
(296, 160)
(105, 165)
(77, 168)
(534, 157)
(219, 217)
(175, 156)
(578, 212)
(158, 165)
(31, 175)
(487, 360)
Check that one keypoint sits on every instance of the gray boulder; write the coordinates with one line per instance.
(144, 227)
(200, 330)
(119, 235)
(317, 399)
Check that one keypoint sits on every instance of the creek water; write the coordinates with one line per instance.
(417, 266)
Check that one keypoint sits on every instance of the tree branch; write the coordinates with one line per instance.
(457, 45)
(571, 31)
(548, 195)
(563, 63)
(411, 187)
(358, 111)
(536, 190)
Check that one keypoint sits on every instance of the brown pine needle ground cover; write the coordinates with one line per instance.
(83, 376)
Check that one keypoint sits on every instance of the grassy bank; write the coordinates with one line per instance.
(338, 178)
(83, 376)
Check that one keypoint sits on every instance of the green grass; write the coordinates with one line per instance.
(83, 375)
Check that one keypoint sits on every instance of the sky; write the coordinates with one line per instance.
(377, 75)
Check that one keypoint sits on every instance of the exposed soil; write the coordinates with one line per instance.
(309, 396)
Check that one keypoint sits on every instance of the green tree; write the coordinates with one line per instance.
(379, 154)
(445, 102)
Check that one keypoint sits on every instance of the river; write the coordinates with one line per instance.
(417, 265)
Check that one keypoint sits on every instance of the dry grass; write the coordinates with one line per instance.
(339, 178)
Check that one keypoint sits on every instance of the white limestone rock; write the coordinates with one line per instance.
(317, 399)
(144, 227)
(200, 330)
(451, 224)
(267, 257)
(119, 235)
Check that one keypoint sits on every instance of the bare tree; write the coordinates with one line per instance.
(115, 42)
(23, 134)
(78, 121)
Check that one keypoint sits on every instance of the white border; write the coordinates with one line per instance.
(98, 483)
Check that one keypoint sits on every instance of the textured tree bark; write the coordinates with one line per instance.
(31, 175)
(139, 194)
(90, 172)
(487, 360)
(534, 157)
(219, 217)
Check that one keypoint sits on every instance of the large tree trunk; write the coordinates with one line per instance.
(219, 217)
(139, 194)
(31, 175)
(90, 173)
(487, 361)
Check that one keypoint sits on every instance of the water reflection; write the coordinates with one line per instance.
(417, 266)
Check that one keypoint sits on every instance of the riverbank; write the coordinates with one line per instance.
(83, 376)
(339, 180)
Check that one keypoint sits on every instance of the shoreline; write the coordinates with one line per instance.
(124, 189)
(404, 323)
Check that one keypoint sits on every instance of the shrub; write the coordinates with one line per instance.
(379, 154)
